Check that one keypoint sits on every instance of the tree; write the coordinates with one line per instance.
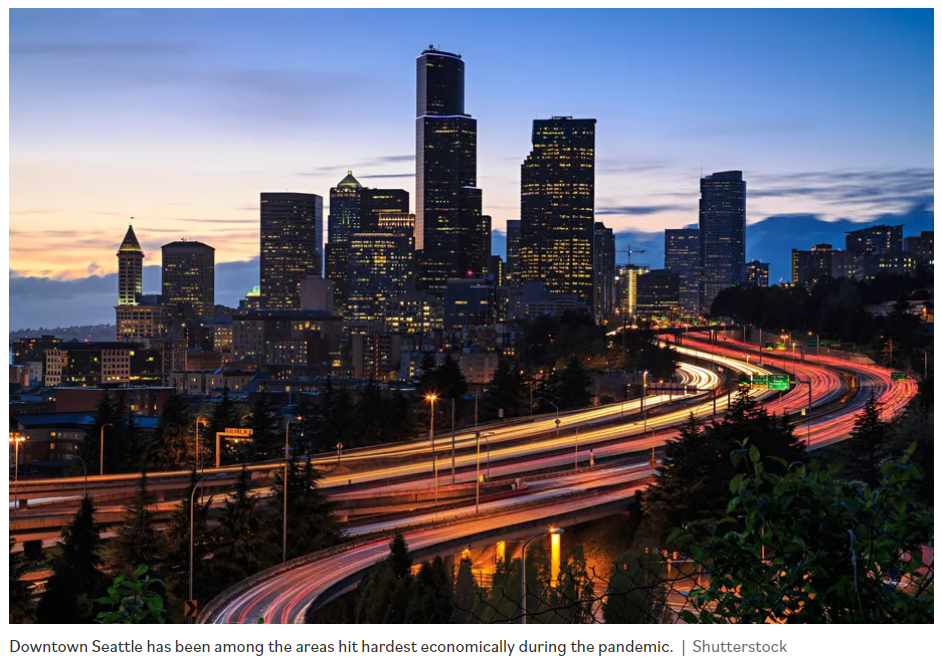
(808, 547)
(267, 442)
(572, 597)
(571, 384)
(449, 382)
(106, 414)
(430, 594)
(312, 524)
(21, 591)
(507, 391)
(174, 445)
(866, 443)
(177, 545)
(690, 481)
(138, 542)
(635, 593)
(76, 579)
(225, 414)
(385, 593)
(243, 542)
(467, 596)
(134, 445)
(135, 599)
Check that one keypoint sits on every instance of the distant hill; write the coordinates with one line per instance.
(91, 333)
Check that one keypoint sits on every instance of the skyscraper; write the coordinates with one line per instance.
(557, 207)
(682, 257)
(292, 230)
(603, 269)
(722, 233)
(757, 273)
(449, 229)
(344, 217)
(381, 266)
(513, 253)
(130, 270)
(187, 276)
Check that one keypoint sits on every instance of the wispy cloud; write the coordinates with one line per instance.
(370, 163)
(870, 188)
(638, 210)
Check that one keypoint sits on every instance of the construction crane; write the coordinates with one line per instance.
(630, 252)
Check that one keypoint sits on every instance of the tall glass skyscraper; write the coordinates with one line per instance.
(722, 233)
(557, 207)
(187, 276)
(291, 246)
(450, 232)
(513, 253)
(603, 269)
(682, 257)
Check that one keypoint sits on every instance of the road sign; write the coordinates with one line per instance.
(899, 376)
(760, 380)
(246, 431)
(190, 608)
(769, 347)
(745, 380)
(339, 446)
(780, 346)
(557, 421)
(778, 382)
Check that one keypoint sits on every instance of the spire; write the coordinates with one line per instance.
(130, 243)
(349, 181)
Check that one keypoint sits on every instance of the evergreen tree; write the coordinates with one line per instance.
(311, 522)
(384, 597)
(507, 391)
(572, 598)
(399, 558)
(138, 542)
(174, 444)
(76, 580)
(225, 414)
(177, 545)
(243, 540)
(866, 443)
(430, 594)
(134, 445)
(267, 440)
(21, 591)
(449, 382)
(427, 368)
(467, 594)
(571, 384)
(109, 416)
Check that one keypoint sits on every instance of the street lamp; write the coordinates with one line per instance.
(577, 446)
(487, 446)
(284, 531)
(554, 533)
(192, 497)
(557, 413)
(84, 468)
(16, 438)
(431, 398)
(644, 388)
(101, 470)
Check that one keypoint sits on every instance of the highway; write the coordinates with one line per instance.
(284, 596)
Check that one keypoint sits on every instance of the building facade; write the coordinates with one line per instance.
(603, 270)
(658, 294)
(130, 270)
(188, 276)
(722, 233)
(513, 253)
(922, 247)
(757, 273)
(449, 229)
(381, 266)
(292, 228)
(874, 239)
(557, 207)
(682, 257)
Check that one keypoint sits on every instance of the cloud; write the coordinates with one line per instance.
(400, 175)
(638, 210)
(370, 163)
(869, 188)
(627, 165)
(100, 49)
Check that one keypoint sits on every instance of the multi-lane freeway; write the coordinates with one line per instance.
(285, 594)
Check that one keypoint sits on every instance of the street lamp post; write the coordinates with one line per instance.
(644, 388)
(487, 446)
(101, 458)
(431, 398)
(452, 441)
(557, 413)
(84, 468)
(16, 438)
(523, 568)
(577, 446)
(192, 497)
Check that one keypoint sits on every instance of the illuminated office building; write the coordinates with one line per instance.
(722, 233)
(187, 276)
(292, 229)
(513, 253)
(682, 257)
(451, 235)
(757, 273)
(603, 269)
(557, 207)
(130, 270)
(381, 266)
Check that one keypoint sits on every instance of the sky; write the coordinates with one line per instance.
(180, 118)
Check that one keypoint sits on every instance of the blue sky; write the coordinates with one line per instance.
(180, 118)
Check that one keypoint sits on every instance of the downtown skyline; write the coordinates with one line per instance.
(650, 143)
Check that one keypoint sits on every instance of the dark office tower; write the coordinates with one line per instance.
(513, 253)
(448, 202)
(291, 239)
(496, 271)
(187, 276)
(344, 217)
(130, 270)
(682, 257)
(722, 233)
(377, 201)
(603, 269)
(557, 207)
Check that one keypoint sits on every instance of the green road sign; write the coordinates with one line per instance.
(761, 380)
(780, 346)
(778, 382)
(899, 376)
(769, 347)
(744, 380)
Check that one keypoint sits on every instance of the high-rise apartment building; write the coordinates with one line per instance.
(922, 247)
(513, 253)
(450, 234)
(188, 276)
(757, 273)
(820, 262)
(682, 257)
(874, 239)
(603, 270)
(722, 233)
(292, 230)
(557, 207)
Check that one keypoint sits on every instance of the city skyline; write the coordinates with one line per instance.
(647, 167)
